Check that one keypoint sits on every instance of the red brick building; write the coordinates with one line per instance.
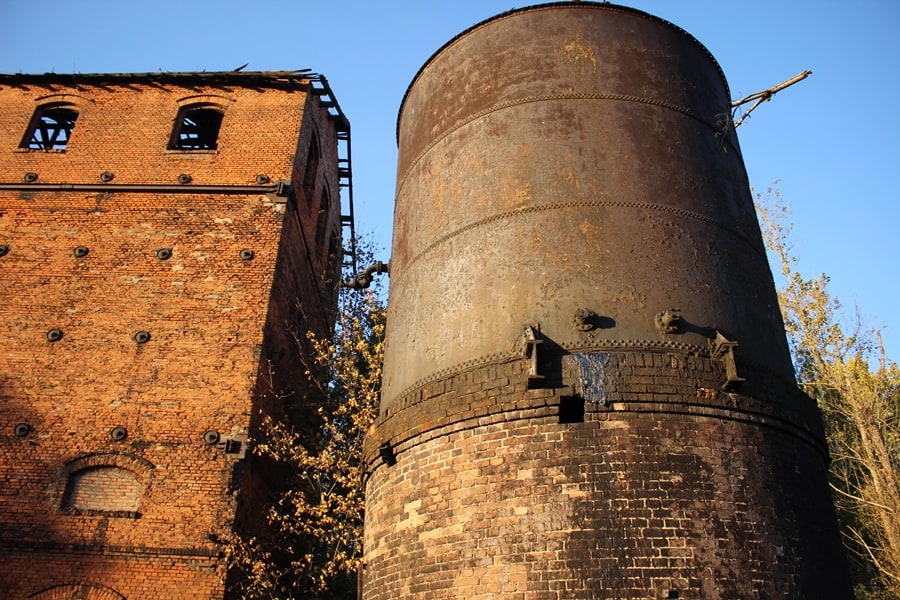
(163, 237)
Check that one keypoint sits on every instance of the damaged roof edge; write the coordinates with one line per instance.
(236, 77)
(298, 78)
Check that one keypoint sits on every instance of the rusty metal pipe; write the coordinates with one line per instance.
(364, 279)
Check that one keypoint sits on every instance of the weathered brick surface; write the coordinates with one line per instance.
(120, 573)
(124, 126)
(672, 488)
(221, 327)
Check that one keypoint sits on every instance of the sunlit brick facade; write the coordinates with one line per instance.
(163, 239)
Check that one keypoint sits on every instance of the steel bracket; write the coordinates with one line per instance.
(530, 343)
(723, 349)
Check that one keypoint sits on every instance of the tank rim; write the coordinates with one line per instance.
(567, 4)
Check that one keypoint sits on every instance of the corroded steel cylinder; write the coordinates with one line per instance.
(578, 280)
(580, 165)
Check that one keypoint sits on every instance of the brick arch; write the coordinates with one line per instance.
(141, 467)
(216, 99)
(77, 591)
(64, 97)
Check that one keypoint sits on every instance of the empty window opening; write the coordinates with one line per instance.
(324, 217)
(106, 488)
(312, 169)
(196, 128)
(571, 409)
(50, 128)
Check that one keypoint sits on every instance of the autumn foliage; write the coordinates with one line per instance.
(842, 364)
(313, 545)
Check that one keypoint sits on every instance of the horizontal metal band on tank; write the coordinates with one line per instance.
(410, 397)
(420, 421)
(568, 6)
(407, 396)
(717, 129)
(398, 275)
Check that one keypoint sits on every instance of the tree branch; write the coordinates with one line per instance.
(766, 95)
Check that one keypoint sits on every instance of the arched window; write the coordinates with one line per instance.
(50, 127)
(312, 169)
(196, 128)
(105, 483)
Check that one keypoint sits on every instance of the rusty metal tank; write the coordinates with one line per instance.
(587, 388)
(581, 164)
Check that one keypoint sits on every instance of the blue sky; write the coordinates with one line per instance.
(831, 140)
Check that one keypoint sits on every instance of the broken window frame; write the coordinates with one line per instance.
(50, 127)
(197, 127)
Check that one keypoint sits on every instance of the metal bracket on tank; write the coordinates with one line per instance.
(723, 348)
(530, 343)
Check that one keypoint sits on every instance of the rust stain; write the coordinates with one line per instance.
(581, 55)
(523, 195)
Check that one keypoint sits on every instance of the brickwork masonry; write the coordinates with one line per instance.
(144, 332)
(664, 490)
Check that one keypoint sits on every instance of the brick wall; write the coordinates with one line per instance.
(103, 488)
(668, 488)
(124, 126)
(108, 415)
